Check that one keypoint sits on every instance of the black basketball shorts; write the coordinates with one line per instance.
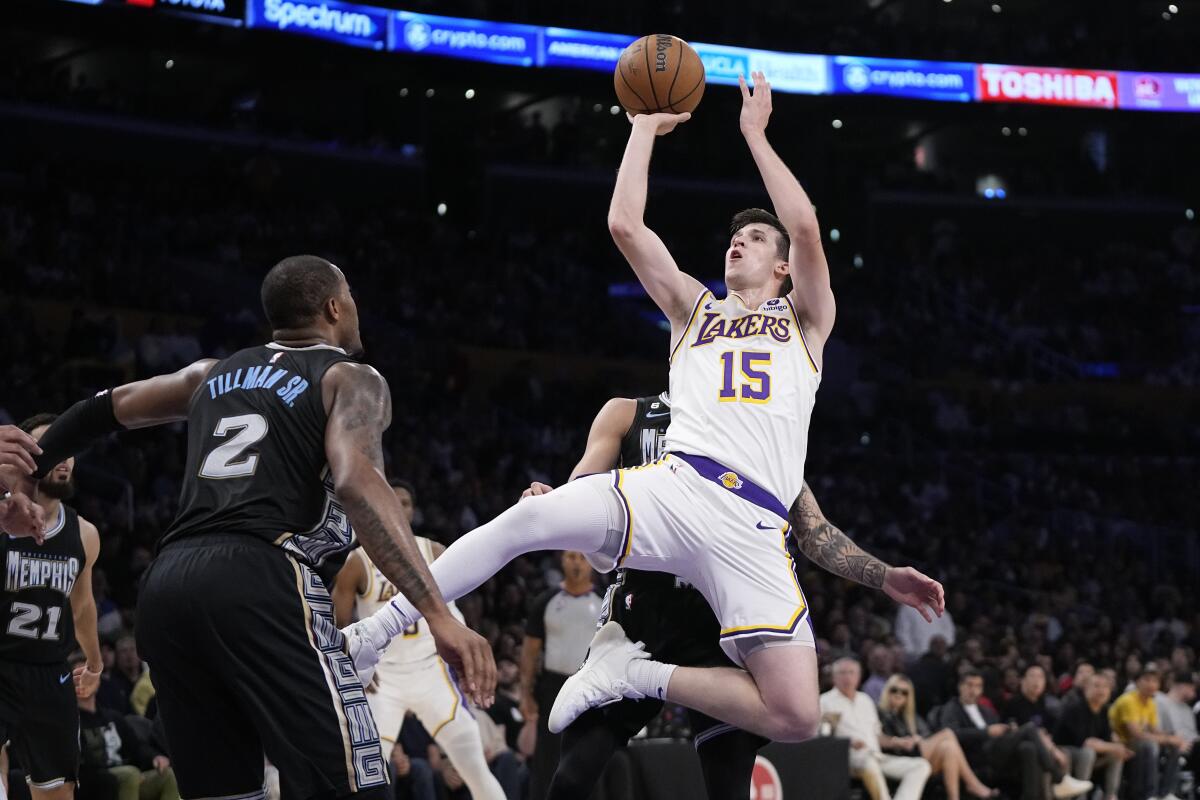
(246, 659)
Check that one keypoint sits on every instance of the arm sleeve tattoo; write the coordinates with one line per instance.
(829, 548)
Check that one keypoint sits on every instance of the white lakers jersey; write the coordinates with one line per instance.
(414, 648)
(743, 386)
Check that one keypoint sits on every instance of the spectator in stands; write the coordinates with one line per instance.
(557, 633)
(1134, 718)
(915, 634)
(911, 736)
(1084, 733)
(932, 676)
(1071, 687)
(881, 664)
(1004, 750)
(416, 760)
(127, 671)
(1176, 715)
(110, 746)
(509, 770)
(1032, 703)
(853, 716)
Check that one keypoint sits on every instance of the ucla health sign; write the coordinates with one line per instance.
(344, 23)
(477, 40)
(928, 80)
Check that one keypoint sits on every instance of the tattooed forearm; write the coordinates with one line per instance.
(397, 557)
(361, 412)
(828, 547)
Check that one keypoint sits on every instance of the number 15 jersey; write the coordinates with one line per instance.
(256, 453)
(743, 387)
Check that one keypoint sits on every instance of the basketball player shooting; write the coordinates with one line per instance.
(744, 373)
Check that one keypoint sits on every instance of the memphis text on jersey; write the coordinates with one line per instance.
(25, 571)
(258, 377)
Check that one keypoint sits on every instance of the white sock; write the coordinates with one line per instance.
(650, 677)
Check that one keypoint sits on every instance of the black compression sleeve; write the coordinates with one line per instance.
(79, 426)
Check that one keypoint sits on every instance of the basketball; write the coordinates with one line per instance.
(659, 72)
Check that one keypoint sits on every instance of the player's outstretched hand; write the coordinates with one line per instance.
(537, 488)
(662, 122)
(469, 654)
(906, 585)
(20, 516)
(17, 449)
(86, 681)
(756, 105)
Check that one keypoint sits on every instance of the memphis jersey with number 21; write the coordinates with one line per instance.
(743, 387)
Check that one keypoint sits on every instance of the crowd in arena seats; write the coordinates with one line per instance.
(1058, 528)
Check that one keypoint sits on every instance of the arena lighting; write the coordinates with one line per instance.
(858, 261)
(1022, 131)
(441, 209)
(1190, 213)
(1007, 131)
(837, 124)
(991, 187)
(614, 110)
(170, 63)
(1174, 9)
(1166, 15)
(996, 9)
(469, 94)
(835, 235)
(404, 92)
(429, 92)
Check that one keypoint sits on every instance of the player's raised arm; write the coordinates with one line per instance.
(811, 292)
(829, 548)
(672, 290)
(359, 407)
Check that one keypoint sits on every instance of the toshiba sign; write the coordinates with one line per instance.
(1047, 85)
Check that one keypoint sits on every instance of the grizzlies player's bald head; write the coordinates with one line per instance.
(297, 289)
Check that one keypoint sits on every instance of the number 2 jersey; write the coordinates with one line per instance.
(39, 624)
(743, 385)
(256, 454)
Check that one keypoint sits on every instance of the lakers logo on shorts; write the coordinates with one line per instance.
(730, 480)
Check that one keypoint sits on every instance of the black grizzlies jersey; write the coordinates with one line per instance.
(35, 607)
(646, 438)
(256, 453)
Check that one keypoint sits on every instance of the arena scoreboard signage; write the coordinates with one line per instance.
(344, 23)
(1160, 91)
(474, 39)
(1047, 86)
(222, 12)
(361, 25)
(928, 80)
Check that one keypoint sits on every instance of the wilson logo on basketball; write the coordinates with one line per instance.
(764, 781)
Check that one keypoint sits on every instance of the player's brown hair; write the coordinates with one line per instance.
(749, 216)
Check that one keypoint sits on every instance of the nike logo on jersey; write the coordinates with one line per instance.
(64, 678)
(762, 527)
(659, 414)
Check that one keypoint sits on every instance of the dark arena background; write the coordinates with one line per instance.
(1009, 398)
